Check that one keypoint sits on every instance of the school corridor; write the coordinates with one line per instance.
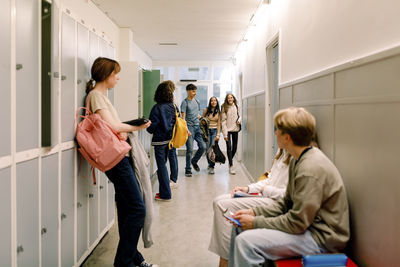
(338, 59)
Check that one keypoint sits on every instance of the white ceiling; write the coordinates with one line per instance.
(203, 29)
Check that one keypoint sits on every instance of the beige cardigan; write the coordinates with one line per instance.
(228, 120)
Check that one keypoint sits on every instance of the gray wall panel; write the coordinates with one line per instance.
(324, 118)
(67, 208)
(5, 100)
(260, 136)
(367, 158)
(317, 89)
(378, 78)
(67, 79)
(5, 219)
(359, 129)
(245, 150)
(28, 211)
(251, 135)
(49, 214)
(285, 97)
(27, 91)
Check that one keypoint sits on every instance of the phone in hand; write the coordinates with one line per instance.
(235, 221)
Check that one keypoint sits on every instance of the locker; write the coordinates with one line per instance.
(27, 214)
(103, 201)
(55, 70)
(27, 65)
(82, 206)
(5, 219)
(5, 106)
(93, 209)
(49, 215)
(93, 48)
(111, 201)
(111, 96)
(103, 46)
(83, 75)
(67, 78)
(67, 208)
(83, 71)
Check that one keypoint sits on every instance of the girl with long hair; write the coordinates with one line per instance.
(130, 205)
(231, 123)
(163, 120)
(212, 113)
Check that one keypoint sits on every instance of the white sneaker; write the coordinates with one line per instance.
(232, 170)
(211, 170)
(146, 264)
(173, 185)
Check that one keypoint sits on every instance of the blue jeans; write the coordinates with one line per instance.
(161, 154)
(131, 213)
(196, 135)
(211, 140)
(173, 164)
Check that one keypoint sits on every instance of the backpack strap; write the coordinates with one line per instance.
(237, 110)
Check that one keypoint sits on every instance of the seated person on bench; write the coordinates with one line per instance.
(272, 188)
(313, 216)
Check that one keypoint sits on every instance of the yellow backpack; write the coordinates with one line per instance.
(180, 132)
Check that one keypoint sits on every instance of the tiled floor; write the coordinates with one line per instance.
(181, 228)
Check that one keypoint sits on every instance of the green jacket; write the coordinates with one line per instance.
(315, 200)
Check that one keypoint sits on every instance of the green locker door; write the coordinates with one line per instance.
(151, 79)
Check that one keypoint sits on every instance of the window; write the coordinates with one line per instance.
(201, 95)
(194, 73)
(167, 73)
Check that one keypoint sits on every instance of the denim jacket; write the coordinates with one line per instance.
(163, 119)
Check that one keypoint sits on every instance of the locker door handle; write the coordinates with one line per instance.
(63, 216)
(101, 187)
(63, 77)
(20, 249)
(19, 66)
(56, 75)
(79, 81)
(79, 204)
(44, 230)
(91, 195)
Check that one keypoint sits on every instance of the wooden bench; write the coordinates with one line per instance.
(297, 263)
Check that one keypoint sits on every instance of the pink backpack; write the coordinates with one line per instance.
(99, 143)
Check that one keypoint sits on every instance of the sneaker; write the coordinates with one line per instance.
(157, 197)
(232, 170)
(188, 173)
(211, 170)
(145, 264)
(173, 185)
(195, 167)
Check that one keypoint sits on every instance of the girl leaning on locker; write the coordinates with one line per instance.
(130, 205)
(213, 114)
(230, 121)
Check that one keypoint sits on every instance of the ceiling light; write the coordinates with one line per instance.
(167, 43)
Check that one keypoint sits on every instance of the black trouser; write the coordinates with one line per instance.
(231, 146)
(131, 213)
